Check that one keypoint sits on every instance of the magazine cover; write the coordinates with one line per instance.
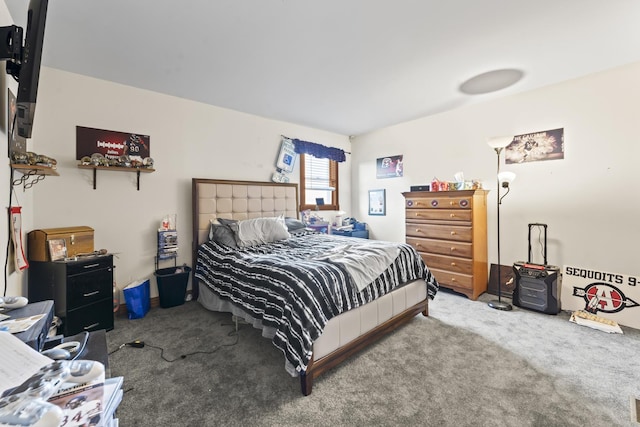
(81, 404)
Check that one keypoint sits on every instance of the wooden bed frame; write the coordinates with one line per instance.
(239, 200)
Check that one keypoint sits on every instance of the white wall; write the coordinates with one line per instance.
(590, 200)
(188, 140)
(14, 283)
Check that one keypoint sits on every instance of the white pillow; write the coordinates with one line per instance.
(257, 231)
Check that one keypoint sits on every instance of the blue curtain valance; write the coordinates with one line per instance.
(318, 150)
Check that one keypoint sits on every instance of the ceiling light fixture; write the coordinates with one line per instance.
(491, 81)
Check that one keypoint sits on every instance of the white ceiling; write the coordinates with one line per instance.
(346, 66)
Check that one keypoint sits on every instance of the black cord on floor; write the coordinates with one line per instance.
(141, 344)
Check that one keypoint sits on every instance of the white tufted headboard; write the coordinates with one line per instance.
(215, 198)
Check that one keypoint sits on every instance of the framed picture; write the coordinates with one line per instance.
(507, 280)
(536, 146)
(389, 167)
(57, 249)
(377, 202)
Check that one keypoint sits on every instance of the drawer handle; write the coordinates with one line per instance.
(453, 279)
(452, 215)
(90, 294)
(453, 264)
(453, 233)
(90, 265)
(453, 249)
(86, 328)
(452, 203)
(418, 230)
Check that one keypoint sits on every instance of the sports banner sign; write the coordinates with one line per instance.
(609, 295)
(111, 144)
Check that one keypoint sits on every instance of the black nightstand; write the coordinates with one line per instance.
(82, 291)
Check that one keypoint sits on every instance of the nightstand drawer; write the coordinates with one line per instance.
(461, 249)
(433, 231)
(87, 288)
(88, 265)
(91, 317)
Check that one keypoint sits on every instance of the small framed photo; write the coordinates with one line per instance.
(377, 202)
(57, 249)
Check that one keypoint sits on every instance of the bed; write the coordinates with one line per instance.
(301, 288)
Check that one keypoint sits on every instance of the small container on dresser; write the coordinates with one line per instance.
(78, 240)
(82, 291)
(449, 230)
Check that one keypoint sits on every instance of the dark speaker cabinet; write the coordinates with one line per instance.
(82, 291)
(537, 287)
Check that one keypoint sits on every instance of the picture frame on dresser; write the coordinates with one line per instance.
(377, 202)
(57, 249)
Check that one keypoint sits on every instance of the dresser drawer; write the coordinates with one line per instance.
(444, 232)
(87, 288)
(92, 317)
(438, 214)
(440, 202)
(456, 280)
(461, 249)
(89, 265)
(448, 263)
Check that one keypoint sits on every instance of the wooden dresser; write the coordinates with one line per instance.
(449, 230)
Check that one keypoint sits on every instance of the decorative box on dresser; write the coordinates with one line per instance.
(449, 230)
(82, 291)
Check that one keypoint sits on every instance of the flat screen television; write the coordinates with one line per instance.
(30, 67)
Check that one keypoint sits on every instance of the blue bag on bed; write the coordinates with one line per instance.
(138, 299)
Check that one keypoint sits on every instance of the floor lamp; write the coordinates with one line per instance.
(503, 179)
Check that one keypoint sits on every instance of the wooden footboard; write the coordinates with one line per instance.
(317, 367)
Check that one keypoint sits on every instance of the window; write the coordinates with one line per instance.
(319, 178)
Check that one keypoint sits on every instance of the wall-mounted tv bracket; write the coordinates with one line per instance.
(11, 48)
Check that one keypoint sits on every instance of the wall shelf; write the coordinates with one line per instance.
(31, 174)
(116, 168)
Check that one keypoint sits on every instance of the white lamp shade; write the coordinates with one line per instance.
(506, 176)
(499, 141)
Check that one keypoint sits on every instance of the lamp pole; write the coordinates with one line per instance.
(499, 304)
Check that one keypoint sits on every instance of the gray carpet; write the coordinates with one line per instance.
(465, 365)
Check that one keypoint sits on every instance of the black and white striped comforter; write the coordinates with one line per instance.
(281, 284)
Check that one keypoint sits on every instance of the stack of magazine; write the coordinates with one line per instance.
(112, 398)
(92, 403)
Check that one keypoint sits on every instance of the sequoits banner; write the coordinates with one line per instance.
(609, 295)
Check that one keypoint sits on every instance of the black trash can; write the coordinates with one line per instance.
(172, 285)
